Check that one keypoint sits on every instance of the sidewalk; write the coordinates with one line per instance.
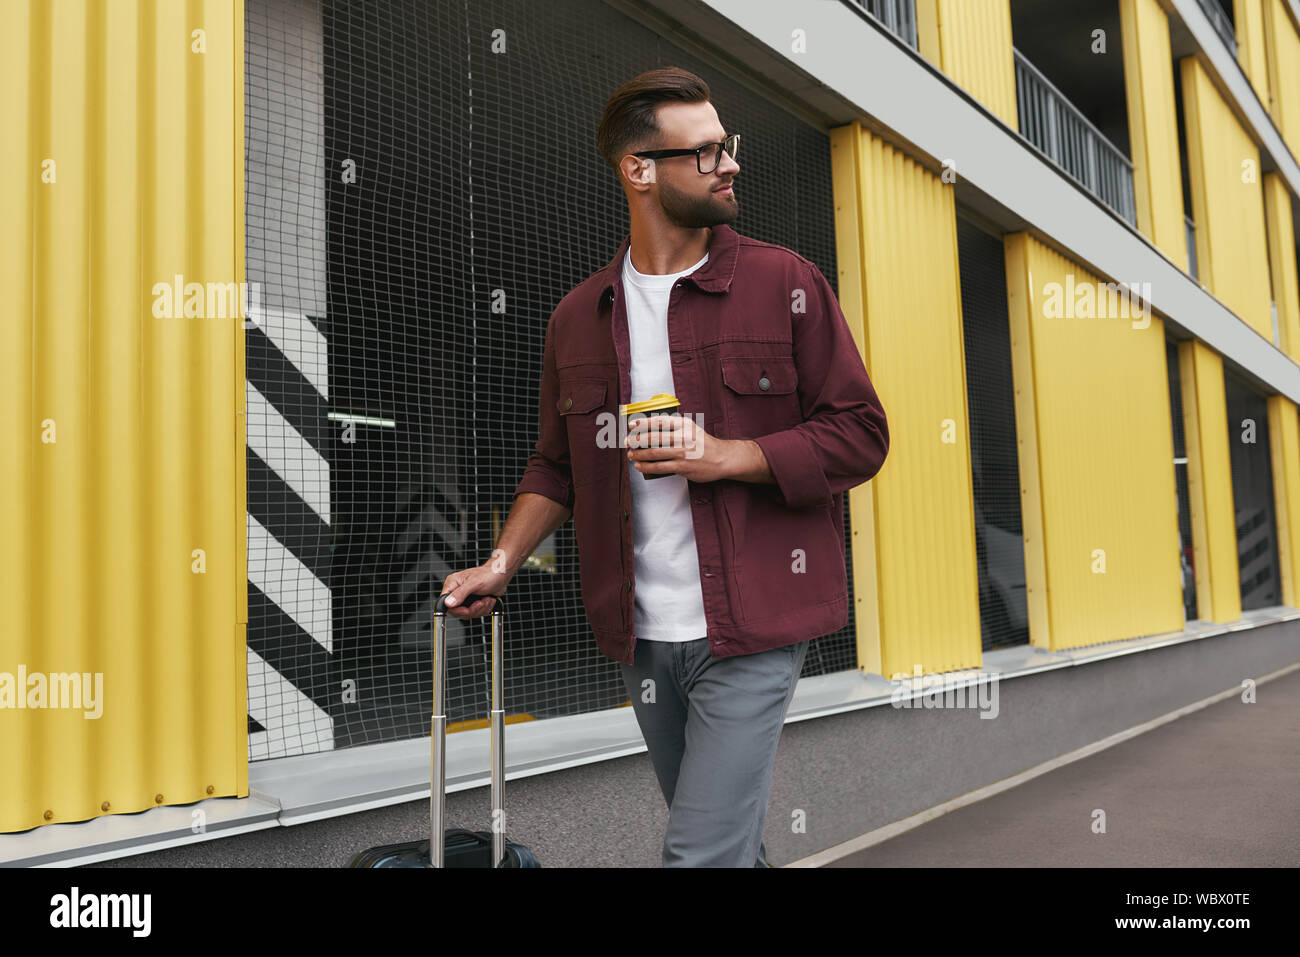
(1219, 787)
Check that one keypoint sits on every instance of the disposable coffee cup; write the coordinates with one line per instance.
(661, 404)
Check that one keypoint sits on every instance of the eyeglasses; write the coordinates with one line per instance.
(707, 157)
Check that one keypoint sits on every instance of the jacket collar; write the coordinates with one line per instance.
(714, 276)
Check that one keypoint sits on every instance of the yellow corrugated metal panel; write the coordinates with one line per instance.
(896, 242)
(1209, 483)
(846, 159)
(239, 440)
(970, 40)
(124, 453)
(1284, 449)
(1153, 126)
(15, 360)
(1248, 16)
(927, 31)
(1282, 45)
(1282, 262)
(1099, 504)
(1227, 202)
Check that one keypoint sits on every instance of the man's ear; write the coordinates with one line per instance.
(640, 172)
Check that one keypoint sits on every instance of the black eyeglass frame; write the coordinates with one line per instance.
(699, 152)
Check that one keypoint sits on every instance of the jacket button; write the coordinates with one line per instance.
(764, 383)
(629, 584)
(626, 513)
(568, 403)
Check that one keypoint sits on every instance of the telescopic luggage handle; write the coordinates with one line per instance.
(438, 737)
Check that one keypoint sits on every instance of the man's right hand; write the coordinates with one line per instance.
(479, 580)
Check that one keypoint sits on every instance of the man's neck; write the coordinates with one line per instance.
(669, 250)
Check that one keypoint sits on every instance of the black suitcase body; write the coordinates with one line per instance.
(462, 849)
(459, 847)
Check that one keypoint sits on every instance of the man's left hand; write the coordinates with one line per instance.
(677, 445)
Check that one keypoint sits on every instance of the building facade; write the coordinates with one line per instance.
(283, 270)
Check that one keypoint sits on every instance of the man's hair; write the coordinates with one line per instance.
(629, 122)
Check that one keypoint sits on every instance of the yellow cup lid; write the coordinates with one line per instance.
(661, 401)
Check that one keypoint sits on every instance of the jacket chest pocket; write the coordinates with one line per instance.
(592, 428)
(760, 395)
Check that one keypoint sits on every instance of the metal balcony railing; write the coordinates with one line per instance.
(1221, 23)
(1191, 248)
(1054, 125)
(897, 16)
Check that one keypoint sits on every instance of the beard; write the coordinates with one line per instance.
(692, 212)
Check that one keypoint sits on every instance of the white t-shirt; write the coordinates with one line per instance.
(669, 601)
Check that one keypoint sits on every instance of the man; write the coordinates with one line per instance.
(707, 582)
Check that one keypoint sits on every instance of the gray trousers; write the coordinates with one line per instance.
(711, 726)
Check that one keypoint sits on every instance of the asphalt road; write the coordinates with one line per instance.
(1219, 787)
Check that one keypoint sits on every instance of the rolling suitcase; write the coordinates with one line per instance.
(457, 847)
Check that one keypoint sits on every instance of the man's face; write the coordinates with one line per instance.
(691, 199)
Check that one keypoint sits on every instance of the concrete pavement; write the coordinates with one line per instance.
(1219, 787)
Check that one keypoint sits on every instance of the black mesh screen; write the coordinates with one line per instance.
(995, 469)
(1252, 493)
(995, 466)
(1184, 161)
(439, 160)
(1186, 547)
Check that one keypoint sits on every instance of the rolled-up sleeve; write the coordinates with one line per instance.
(547, 471)
(844, 438)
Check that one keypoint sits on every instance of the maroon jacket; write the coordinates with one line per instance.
(760, 348)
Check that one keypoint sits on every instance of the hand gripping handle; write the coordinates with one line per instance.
(438, 738)
(442, 602)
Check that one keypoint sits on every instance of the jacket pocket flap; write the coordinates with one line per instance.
(759, 375)
(580, 395)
